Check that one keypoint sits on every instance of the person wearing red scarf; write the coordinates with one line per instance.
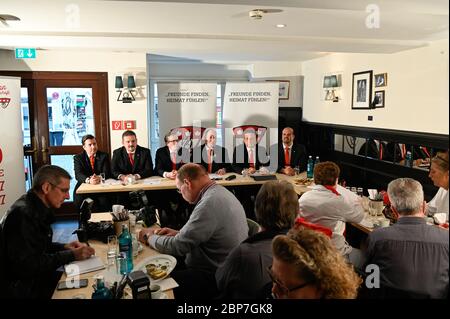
(326, 207)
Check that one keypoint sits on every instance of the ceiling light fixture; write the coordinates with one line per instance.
(281, 26)
(4, 18)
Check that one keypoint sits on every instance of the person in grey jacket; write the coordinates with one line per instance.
(244, 273)
(216, 226)
(412, 256)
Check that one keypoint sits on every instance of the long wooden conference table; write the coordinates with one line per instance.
(160, 183)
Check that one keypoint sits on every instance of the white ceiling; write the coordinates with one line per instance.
(221, 30)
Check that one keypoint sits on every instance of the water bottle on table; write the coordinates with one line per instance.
(310, 167)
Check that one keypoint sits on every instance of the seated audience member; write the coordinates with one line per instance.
(215, 227)
(307, 266)
(30, 258)
(167, 161)
(325, 206)
(211, 156)
(290, 155)
(88, 166)
(249, 156)
(412, 256)
(439, 176)
(131, 159)
(244, 272)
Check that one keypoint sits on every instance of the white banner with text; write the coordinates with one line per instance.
(12, 170)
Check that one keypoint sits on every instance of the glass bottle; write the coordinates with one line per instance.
(126, 246)
(101, 292)
(310, 167)
(408, 159)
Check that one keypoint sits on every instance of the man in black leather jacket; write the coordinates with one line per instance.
(30, 258)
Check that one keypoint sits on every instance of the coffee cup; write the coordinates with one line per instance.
(155, 291)
(118, 226)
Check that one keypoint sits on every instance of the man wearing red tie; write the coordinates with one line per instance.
(131, 159)
(248, 157)
(89, 166)
(211, 156)
(167, 159)
(290, 155)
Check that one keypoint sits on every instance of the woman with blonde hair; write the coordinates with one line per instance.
(307, 266)
(439, 176)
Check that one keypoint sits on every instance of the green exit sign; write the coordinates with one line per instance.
(25, 53)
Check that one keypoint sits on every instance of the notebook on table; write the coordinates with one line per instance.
(83, 266)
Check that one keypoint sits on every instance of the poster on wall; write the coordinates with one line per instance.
(186, 104)
(12, 170)
(251, 104)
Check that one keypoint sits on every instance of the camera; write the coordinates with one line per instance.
(142, 209)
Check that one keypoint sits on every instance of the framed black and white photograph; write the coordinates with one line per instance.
(283, 89)
(283, 93)
(362, 90)
(378, 99)
(380, 79)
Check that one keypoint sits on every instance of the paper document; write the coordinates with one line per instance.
(152, 181)
(83, 266)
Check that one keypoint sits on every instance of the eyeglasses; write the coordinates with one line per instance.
(64, 190)
(284, 291)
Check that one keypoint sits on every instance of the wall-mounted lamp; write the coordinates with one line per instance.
(127, 92)
(331, 82)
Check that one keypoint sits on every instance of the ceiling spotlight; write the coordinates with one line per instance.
(281, 26)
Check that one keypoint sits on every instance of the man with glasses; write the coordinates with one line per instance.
(31, 259)
(167, 160)
(167, 164)
(216, 225)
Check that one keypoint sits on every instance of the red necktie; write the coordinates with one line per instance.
(287, 160)
(210, 161)
(251, 159)
(130, 156)
(173, 156)
(381, 150)
(403, 151)
(425, 150)
(92, 160)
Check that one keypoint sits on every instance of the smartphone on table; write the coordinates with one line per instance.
(69, 284)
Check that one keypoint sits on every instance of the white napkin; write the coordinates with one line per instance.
(167, 283)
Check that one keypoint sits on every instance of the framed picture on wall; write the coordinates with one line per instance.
(362, 90)
(283, 89)
(380, 79)
(378, 99)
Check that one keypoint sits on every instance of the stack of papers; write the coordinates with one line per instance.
(83, 266)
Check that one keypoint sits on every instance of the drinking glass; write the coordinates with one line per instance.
(353, 190)
(102, 177)
(360, 191)
(297, 170)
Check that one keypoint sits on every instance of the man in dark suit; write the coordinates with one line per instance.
(290, 155)
(211, 156)
(90, 166)
(249, 156)
(375, 149)
(131, 159)
(167, 160)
